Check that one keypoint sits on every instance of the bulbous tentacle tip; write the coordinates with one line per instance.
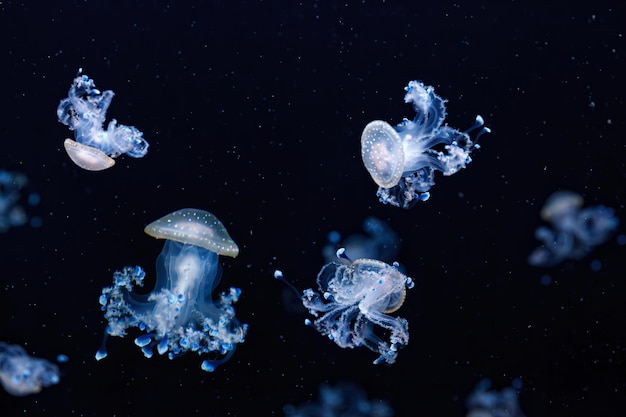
(101, 354)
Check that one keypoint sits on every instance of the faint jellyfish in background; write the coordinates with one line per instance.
(22, 374)
(12, 212)
(84, 111)
(575, 231)
(341, 400)
(402, 160)
(484, 403)
(381, 243)
(353, 299)
(179, 315)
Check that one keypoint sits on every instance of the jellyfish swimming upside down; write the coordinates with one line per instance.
(84, 111)
(353, 304)
(180, 314)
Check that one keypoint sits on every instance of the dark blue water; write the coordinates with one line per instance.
(254, 111)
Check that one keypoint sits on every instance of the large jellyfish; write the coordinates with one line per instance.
(84, 111)
(22, 374)
(575, 231)
(179, 315)
(402, 160)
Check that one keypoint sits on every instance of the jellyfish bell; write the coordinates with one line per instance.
(391, 278)
(559, 203)
(396, 301)
(195, 227)
(382, 153)
(86, 157)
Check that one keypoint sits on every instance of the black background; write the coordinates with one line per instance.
(253, 110)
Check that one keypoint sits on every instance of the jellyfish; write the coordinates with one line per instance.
(344, 399)
(575, 230)
(22, 374)
(12, 212)
(353, 299)
(179, 315)
(483, 402)
(402, 160)
(84, 111)
(380, 242)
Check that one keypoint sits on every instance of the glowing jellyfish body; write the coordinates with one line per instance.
(353, 299)
(179, 315)
(22, 374)
(402, 160)
(86, 157)
(575, 230)
(84, 111)
(382, 154)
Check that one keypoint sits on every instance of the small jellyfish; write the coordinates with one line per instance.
(12, 212)
(402, 160)
(483, 402)
(180, 314)
(575, 231)
(84, 111)
(380, 242)
(344, 399)
(353, 299)
(22, 374)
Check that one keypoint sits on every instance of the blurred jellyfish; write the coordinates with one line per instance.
(22, 374)
(341, 400)
(84, 111)
(402, 160)
(484, 403)
(12, 213)
(575, 231)
(381, 242)
(179, 315)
